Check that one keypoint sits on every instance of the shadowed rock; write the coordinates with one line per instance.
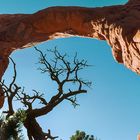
(118, 25)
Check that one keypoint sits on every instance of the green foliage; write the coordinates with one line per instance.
(81, 135)
(11, 127)
(20, 115)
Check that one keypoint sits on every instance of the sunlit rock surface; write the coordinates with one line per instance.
(138, 137)
(118, 25)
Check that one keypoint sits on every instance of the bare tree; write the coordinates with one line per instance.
(62, 72)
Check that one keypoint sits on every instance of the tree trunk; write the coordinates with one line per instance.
(34, 130)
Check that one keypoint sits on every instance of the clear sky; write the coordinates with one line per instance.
(111, 109)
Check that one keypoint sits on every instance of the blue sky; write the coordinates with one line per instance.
(110, 110)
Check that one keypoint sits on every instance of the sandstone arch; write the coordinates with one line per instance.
(119, 25)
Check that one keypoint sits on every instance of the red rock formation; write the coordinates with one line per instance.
(118, 25)
(138, 137)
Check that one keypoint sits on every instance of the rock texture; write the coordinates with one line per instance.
(138, 137)
(118, 25)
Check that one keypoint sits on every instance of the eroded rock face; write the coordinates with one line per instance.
(118, 25)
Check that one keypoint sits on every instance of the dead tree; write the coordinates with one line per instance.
(62, 72)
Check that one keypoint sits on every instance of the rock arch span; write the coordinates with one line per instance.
(119, 25)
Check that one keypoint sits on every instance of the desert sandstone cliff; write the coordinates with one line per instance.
(118, 25)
